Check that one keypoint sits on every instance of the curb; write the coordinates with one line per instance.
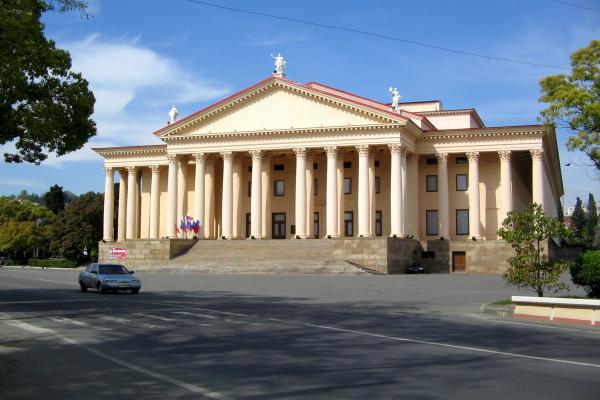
(497, 310)
(41, 268)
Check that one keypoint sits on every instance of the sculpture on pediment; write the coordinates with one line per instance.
(173, 115)
(395, 98)
(280, 64)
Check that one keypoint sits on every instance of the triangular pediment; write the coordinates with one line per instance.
(278, 105)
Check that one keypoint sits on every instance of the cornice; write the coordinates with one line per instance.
(507, 131)
(131, 150)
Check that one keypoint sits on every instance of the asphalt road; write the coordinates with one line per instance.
(283, 337)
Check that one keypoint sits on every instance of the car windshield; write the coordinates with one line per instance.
(112, 269)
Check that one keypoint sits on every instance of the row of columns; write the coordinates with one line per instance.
(128, 193)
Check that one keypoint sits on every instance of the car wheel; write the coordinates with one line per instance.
(100, 288)
(135, 291)
(82, 287)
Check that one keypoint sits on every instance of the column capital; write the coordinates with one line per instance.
(172, 158)
(155, 169)
(536, 154)
(227, 155)
(442, 157)
(256, 155)
(504, 155)
(108, 171)
(396, 148)
(199, 157)
(332, 151)
(300, 152)
(363, 150)
(131, 169)
(473, 156)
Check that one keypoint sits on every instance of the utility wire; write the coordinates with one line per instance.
(566, 3)
(377, 35)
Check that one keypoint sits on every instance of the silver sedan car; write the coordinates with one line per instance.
(108, 276)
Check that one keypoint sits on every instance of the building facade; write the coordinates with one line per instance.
(283, 160)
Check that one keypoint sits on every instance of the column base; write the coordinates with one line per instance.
(476, 238)
(255, 237)
(364, 235)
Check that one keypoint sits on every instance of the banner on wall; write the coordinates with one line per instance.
(117, 253)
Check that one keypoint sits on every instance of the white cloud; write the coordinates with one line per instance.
(20, 182)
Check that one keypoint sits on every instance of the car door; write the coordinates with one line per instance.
(93, 276)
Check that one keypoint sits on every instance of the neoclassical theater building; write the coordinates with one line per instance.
(305, 161)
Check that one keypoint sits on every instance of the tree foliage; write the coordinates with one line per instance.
(586, 272)
(527, 232)
(79, 227)
(55, 199)
(578, 221)
(575, 100)
(591, 221)
(44, 106)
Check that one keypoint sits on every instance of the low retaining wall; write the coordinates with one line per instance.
(578, 311)
(135, 251)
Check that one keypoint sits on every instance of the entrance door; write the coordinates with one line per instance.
(459, 261)
(278, 226)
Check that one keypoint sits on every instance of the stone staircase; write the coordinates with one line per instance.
(258, 256)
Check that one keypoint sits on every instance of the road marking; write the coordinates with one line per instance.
(64, 320)
(195, 314)
(162, 377)
(559, 328)
(158, 317)
(43, 280)
(46, 301)
(115, 319)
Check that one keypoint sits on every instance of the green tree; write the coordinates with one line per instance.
(578, 220)
(586, 272)
(575, 100)
(44, 106)
(55, 199)
(23, 226)
(79, 227)
(527, 232)
(591, 221)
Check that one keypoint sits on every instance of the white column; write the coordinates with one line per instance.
(255, 195)
(474, 213)
(537, 176)
(505, 183)
(181, 187)
(395, 190)
(200, 160)
(413, 209)
(363, 190)
(332, 184)
(310, 198)
(109, 204)
(122, 224)
(227, 200)
(266, 195)
(403, 202)
(131, 174)
(300, 203)
(154, 201)
(443, 199)
(238, 227)
(372, 204)
(172, 196)
(209, 200)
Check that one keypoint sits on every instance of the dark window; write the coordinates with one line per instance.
(315, 166)
(249, 168)
(347, 164)
(462, 160)
(462, 182)
(293, 229)
(278, 231)
(348, 223)
(347, 185)
(431, 161)
(279, 188)
(315, 186)
(462, 222)
(377, 163)
(249, 188)
(248, 222)
(278, 167)
(432, 183)
(431, 222)
(377, 184)
(316, 227)
(428, 254)
(378, 217)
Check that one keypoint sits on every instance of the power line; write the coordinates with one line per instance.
(377, 35)
(566, 3)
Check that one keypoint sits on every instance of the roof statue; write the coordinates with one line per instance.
(173, 115)
(280, 64)
(395, 98)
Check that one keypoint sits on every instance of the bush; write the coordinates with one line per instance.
(49, 263)
(586, 272)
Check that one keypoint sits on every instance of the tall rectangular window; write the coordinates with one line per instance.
(316, 225)
(249, 188)
(279, 188)
(432, 183)
(462, 182)
(431, 222)
(315, 186)
(348, 223)
(377, 184)
(378, 228)
(462, 222)
(278, 167)
(347, 185)
(248, 222)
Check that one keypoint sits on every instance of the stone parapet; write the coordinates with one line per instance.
(135, 251)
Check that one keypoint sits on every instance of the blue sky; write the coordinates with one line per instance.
(141, 57)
